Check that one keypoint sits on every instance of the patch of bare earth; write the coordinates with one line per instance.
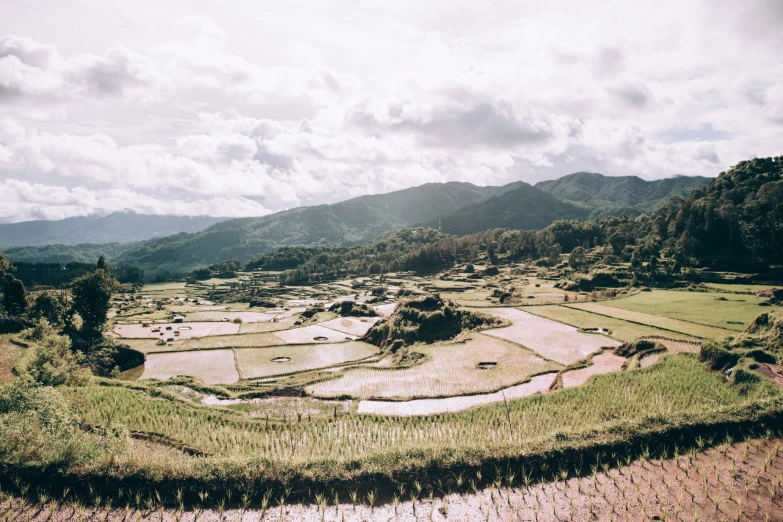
(9, 354)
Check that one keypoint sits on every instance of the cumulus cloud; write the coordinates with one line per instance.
(161, 109)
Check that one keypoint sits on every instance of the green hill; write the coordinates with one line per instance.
(349, 222)
(524, 208)
(614, 195)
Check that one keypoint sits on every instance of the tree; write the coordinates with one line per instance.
(91, 300)
(101, 265)
(577, 257)
(5, 265)
(14, 295)
(48, 305)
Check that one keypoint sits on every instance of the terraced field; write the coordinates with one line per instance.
(658, 321)
(582, 318)
(265, 362)
(450, 368)
(552, 340)
(722, 310)
(211, 366)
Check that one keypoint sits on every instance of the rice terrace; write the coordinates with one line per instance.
(478, 381)
(372, 262)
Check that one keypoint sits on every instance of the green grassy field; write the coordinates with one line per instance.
(658, 321)
(622, 330)
(678, 388)
(735, 313)
(450, 369)
(737, 287)
(257, 362)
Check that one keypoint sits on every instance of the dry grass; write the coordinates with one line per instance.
(9, 355)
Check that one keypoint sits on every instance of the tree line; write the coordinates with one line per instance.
(736, 222)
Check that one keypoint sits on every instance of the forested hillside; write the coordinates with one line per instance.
(457, 208)
(618, 195)
(350, 222)
(524, 208)
(736, 222)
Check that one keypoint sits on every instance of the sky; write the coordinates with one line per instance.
(242, 108)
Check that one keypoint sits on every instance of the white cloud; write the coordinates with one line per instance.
(193, 108)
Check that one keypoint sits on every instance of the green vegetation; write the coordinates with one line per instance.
(658, 404)
(164, 432)
(730, 311)
(618, 329)
(425, 319)
(617, 195)
(524, 208)
(661, 322)
(91, 295)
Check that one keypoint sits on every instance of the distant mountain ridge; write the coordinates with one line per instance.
(524, 208)
(346, 223)
(457, 207)
(610, 195)
(117, 227)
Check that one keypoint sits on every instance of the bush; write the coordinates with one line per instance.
(718, 357)
(50, 360)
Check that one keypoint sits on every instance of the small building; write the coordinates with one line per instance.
(178, 318)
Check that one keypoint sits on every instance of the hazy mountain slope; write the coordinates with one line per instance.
(619, 194)
(83, 253)
(118, 227)
(349, 222)
(524, 208)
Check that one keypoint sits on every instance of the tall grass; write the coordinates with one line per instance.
(540, 434)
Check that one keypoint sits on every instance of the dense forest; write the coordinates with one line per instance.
(59, 275)
(736, 222)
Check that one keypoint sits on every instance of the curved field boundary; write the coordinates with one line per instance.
(660, 322)
(538, 384)
(160, 439)
(572, 452)
(550, 339)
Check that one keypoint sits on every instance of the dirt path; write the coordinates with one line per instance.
(771, 371)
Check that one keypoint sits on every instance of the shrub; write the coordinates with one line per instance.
(50, 360)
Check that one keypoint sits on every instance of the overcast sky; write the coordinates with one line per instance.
(234, 108)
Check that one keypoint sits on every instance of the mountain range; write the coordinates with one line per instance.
(457, 208)
(118, 227)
